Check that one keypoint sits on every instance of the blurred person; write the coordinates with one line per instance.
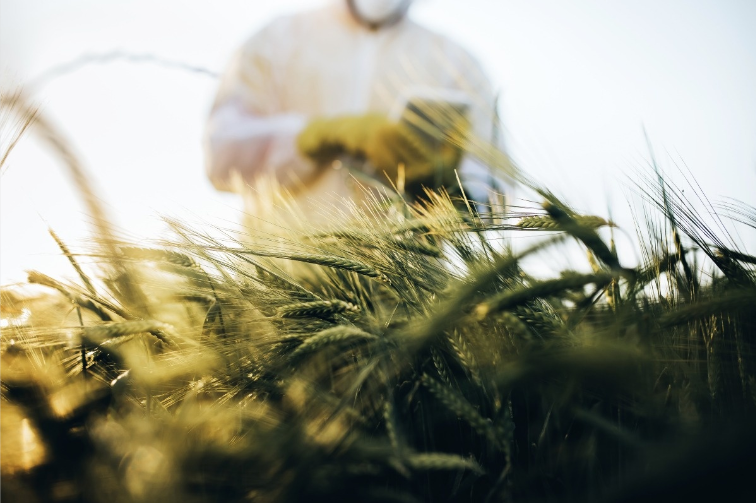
(312, 92)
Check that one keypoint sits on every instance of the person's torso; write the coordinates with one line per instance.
(330, 65)
(325, 64)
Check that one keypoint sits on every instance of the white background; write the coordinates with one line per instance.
(579, 82)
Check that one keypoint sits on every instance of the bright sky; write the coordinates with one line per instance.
(579, 80)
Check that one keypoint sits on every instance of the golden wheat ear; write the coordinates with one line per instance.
(15, 120)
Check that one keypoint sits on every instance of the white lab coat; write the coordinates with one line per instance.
(324, 63)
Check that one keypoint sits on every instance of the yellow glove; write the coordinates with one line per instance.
(325, 138)
(385, 144)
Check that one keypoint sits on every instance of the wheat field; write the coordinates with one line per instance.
(403, 353)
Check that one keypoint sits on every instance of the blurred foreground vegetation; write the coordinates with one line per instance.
(406, 354)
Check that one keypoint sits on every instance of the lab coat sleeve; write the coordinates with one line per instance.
(485, 171)
(248, 135)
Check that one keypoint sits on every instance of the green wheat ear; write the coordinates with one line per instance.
(331, 336)
(441, 461)
(317, 308)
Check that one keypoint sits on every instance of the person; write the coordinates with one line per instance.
(313, 86)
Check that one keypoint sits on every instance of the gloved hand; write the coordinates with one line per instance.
(385, 144)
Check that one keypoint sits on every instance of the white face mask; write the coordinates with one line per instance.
(378, 12)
